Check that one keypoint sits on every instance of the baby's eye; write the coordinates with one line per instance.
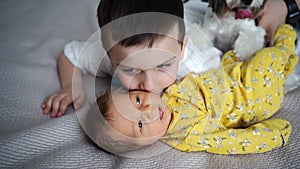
(138, 101)
(140, 124)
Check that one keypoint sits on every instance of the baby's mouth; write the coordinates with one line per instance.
(161, 114)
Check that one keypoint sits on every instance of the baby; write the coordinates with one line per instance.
(223, 111)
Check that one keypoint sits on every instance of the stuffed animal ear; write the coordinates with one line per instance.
(218, 6)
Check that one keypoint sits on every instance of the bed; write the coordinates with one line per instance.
(32, 34)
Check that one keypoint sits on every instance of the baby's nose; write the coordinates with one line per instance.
(145, 107)
(147, 116)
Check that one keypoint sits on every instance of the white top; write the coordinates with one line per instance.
(197, 57)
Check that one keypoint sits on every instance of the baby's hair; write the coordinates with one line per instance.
(103, 103)
(111, 10)
(102, 133)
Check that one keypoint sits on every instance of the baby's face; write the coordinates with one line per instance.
(139, 114)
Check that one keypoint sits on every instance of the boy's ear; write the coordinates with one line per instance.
(184, 45)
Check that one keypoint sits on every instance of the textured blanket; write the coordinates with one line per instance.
(32, 34)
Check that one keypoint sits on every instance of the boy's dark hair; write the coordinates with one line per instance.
(111, 10)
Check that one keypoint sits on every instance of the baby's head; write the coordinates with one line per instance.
(136, 119)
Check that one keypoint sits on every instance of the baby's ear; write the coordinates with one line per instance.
(184, 45)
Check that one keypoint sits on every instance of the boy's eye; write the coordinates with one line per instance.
(130, 70)
(140, 124)
(164, 66)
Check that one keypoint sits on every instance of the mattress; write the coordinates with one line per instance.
(32, 34)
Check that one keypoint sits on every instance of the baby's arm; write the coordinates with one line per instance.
(258, 138)
(58, 102)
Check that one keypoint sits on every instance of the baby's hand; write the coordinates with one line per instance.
(57, 103)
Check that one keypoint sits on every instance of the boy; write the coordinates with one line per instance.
(118, 46)
(222, 111)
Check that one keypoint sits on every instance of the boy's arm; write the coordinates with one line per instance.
(69, 75)
(89, 57)
(275, 13)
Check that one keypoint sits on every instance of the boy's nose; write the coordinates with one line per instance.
(148, 81)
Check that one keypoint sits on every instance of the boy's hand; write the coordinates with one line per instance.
(70, 77)
(58, 103)
(273, 15)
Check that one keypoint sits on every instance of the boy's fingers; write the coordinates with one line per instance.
(78, 102)
(269, 38)
(48, 104)
(64, 103)
(56, 104)
(44, 108)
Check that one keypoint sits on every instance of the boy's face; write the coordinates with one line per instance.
(139, 114)
(144, 68)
